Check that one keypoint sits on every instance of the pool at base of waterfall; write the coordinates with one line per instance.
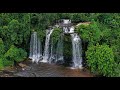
(50, 70)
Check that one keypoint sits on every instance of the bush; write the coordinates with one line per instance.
(117, 70)
(90, 34)
(110, 19)
(11, 53)
(22, 54)
(3, 60)
(101, 60)
(7, 62)
(56, 35)
(2, 48)
(1, 64)
(15, 54)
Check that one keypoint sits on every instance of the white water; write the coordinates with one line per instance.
(76, 51)
(66, 21)
(51, 52)
(47, 46)
(35, 48)
(71, 29)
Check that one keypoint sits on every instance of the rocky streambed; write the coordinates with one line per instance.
(29, 69)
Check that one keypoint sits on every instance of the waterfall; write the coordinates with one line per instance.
(59, 50)
(47, 46)
(52, 52)
(76, 50)
(35, 48)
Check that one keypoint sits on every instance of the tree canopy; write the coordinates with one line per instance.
(100, 39)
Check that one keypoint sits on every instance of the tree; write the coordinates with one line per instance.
(15, 54)
(90, 34)
(2, 48)
(101, 60)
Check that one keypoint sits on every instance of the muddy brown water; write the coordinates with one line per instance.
(46, 70)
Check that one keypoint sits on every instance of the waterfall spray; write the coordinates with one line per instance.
(77, 51)
(35, 48)
(47, 46)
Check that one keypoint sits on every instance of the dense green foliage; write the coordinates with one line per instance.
(67, 51)
(2, 48)
(56, 35)
(104, 29)
(1, 64)
(101, 60)
(90, 33)
(16, 29)
(15, 54)
(12, 55)
(7, 62)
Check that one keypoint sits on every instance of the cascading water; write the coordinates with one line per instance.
(47, 46)
(52, 52)
(59, 50)
(76, 43)
(77, 51)
(35, 48)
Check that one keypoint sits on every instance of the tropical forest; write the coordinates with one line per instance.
(59, 44)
